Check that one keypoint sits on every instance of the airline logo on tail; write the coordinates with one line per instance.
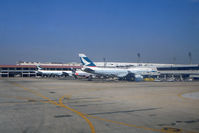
(86, 61)
(39, 68)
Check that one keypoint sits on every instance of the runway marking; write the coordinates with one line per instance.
(163, 130)
(21, 98)
(60, 104)
(79, 113)
(125, 124)
(84, 116)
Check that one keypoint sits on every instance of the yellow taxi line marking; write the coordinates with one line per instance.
(141, 127)
(180, 96)
(79, 113)
(60, 104)
(116, 122)
(94, 117)
(125, 124)
(130, 125)
(182, 93)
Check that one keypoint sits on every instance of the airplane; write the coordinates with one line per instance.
(50, 72)
(130, 74)
(80, 73)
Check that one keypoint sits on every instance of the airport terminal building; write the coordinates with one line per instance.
(29, 69)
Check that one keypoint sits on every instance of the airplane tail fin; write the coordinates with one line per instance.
(86, 61)
(38, 67)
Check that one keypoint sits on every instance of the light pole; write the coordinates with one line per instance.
(190, 57)
(104, 59)
(138, 55)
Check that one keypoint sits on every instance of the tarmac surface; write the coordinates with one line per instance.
(193, 95)
(29, 105)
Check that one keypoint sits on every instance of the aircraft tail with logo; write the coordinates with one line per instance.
(86, 61)
(39, 68)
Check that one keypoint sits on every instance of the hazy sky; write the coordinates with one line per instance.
(57, 30)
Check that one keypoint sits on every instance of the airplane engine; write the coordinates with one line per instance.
(134, 77)
(139, 78)
(130, 77)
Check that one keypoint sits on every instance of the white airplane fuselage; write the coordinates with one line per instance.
(59, 73)
(118, 72)
(132, 73)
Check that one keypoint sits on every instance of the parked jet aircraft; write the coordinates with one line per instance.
(57, 73)
(80, 73)
(131, 74)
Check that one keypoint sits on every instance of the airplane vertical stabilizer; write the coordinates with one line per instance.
(38, 67)
(86, 61)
